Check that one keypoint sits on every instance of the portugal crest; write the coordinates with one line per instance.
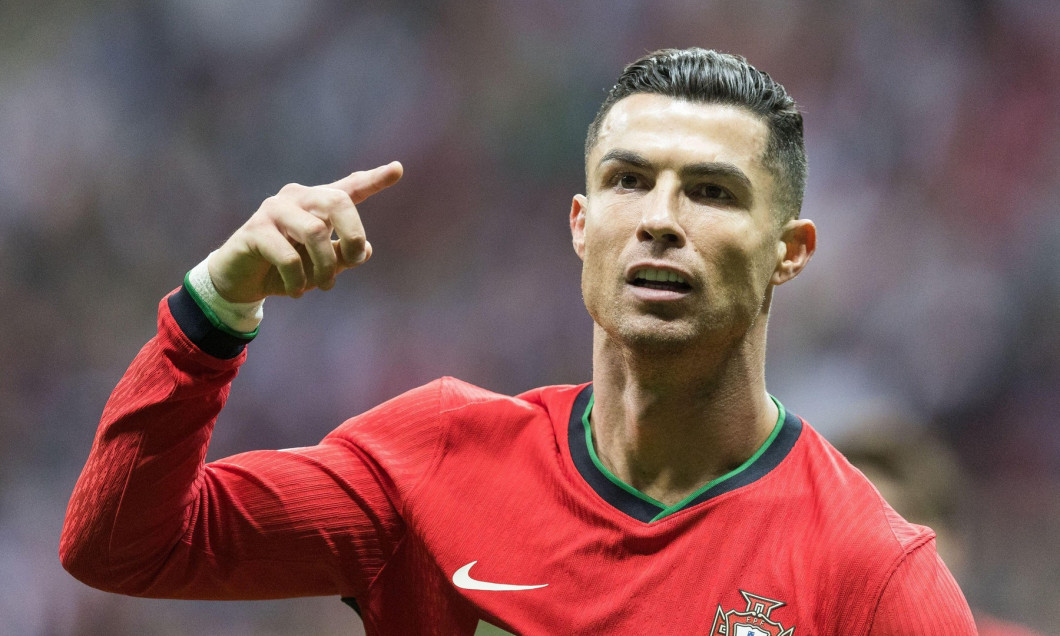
(754, 621)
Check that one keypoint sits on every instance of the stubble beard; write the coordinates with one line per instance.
(699, 337)
(659, 335)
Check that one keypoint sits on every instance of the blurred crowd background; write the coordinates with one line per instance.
(136, 135)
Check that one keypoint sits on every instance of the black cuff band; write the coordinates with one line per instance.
(197, 327)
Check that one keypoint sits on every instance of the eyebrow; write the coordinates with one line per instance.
(717, 169)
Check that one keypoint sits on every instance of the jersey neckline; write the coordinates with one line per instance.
(640, 506)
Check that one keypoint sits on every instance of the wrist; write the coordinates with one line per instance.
(237, 319)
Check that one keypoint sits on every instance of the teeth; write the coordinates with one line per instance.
(652, 274)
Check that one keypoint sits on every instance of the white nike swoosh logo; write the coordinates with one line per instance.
(462, 579)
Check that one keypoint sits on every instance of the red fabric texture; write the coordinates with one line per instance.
(396, 500)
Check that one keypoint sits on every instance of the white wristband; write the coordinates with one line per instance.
(241, 317)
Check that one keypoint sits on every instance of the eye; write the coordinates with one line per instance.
(711, 192)
(628, 181)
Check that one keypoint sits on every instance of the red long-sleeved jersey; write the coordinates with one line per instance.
(451, 509)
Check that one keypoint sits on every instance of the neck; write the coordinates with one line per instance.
(668, 423)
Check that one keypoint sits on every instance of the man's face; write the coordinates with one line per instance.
(676, 232)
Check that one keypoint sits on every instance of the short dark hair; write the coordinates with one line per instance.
(710, 77)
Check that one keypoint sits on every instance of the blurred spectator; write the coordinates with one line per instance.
(919, 475)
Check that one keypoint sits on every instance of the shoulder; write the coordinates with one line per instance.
(484, 415)
(459, 393)
(447, 421)
(432, 406)
(847, 531)
(851, 514)
(406, 437)
(456, 398)
(922, 597)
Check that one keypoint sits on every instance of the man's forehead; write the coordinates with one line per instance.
(683, 130)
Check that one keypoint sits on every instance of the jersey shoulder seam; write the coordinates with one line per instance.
(906, 551)
(439, 439)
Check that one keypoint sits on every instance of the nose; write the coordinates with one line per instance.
(659, 222)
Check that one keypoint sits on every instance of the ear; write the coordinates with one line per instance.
(797, 243)
(577, 224)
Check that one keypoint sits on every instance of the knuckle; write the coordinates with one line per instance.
(317, 230)
(292, 188)
(290, 260)
(332, 198)
(259, 228)
(270, 206)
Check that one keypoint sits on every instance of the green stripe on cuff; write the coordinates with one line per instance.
(212, 317)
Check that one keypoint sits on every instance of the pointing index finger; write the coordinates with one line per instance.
(363, 184)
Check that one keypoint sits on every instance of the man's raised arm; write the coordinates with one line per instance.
(148, 517)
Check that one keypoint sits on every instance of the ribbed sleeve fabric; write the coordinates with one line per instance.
(149, 518)
(922, 597)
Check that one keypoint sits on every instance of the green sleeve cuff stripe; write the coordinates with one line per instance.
(212, 317)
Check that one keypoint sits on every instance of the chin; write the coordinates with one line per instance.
(657, 338)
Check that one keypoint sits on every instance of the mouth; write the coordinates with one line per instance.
(661, 279)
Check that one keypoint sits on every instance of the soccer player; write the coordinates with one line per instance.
(671, 495)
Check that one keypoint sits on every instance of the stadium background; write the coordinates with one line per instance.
(135, 136)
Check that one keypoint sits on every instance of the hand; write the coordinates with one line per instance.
(286, 248)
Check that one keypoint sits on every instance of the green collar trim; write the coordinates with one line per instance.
(665, 510)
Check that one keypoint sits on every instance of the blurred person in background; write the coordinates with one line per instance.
(670, 494)
(919, 475)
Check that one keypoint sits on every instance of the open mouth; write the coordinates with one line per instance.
(660, 279)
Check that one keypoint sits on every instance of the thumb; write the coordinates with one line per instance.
(364, 183)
